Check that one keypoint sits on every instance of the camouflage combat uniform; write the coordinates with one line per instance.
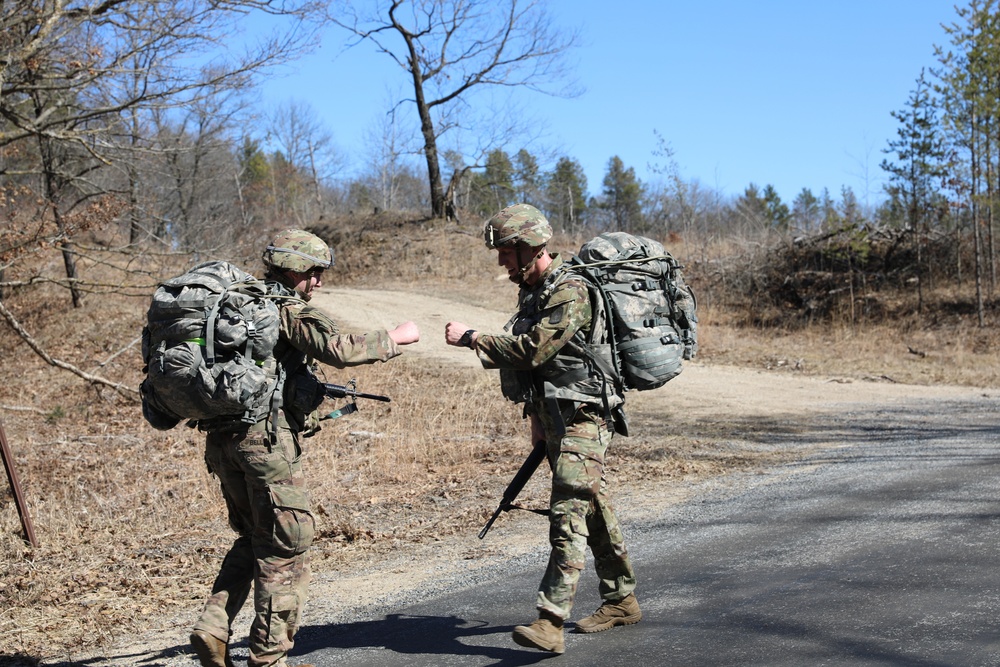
(260, 472)
(540, 367)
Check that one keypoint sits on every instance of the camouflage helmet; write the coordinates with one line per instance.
(299, 251)
(518, 222)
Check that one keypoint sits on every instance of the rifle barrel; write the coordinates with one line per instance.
(341, 391)
(489, 524)
(372, 397)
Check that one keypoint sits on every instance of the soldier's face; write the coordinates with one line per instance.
(507, 258)
(306, 283)
(520, 262)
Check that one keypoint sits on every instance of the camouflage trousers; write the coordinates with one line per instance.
(269, 508)
(582, 516)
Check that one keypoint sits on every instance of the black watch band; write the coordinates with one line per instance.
(466, 339)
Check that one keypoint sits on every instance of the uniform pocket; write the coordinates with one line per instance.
(577, 474)
(294, 525)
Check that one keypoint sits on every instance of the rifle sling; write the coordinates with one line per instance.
(507, 508)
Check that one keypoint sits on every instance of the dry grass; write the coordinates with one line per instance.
(132, 527)
(907, 350)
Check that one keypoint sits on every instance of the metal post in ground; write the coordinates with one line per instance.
(22, 507)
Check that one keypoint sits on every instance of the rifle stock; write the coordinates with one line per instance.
(510, 494)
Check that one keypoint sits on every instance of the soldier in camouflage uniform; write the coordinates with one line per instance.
(259, 467)
(572, 409)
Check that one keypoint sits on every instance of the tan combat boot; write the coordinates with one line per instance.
(545, 634)
(608, 615)
(212, 651)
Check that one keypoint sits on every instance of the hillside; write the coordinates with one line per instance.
(131, 526)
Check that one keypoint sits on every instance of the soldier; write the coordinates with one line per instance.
(571, 408)
(259, 467)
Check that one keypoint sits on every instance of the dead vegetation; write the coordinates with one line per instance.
(131, 526)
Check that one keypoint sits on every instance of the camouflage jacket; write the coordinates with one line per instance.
(309, 335)
(313, 333)
(542, 362)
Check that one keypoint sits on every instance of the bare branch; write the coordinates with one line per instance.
(451, 48)
(125, 390)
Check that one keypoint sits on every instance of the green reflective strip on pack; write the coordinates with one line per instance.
(199, 341)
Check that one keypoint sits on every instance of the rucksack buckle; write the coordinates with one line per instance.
(646, 285)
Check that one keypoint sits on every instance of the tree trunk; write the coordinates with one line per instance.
(920, 271)
(52, 192)
(438, 199)
(977, 237)
(439, 207)
(134, 226)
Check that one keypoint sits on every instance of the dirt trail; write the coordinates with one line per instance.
(701, 390)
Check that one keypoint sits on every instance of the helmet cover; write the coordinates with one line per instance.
(298, 250)
(517, 222)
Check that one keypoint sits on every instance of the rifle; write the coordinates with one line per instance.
(528, 468)
(350, 390)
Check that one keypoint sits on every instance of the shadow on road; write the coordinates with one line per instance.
(402, 634)
(418, 635)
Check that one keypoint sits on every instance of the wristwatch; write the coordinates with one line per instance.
(466, 339)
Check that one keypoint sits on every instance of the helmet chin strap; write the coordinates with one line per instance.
(519, 276)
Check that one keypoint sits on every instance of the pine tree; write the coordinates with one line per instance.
(777, 211)
(622, 197)
(493, 189)
(566, 195)
(752, 208)
(920, 155)
(968, 77)
(806, 210)
(527, 178)
(919, 167)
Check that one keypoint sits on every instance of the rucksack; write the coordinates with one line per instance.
(208, 348)
(649, 309)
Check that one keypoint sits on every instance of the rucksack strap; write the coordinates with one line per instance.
(210, 320)
(537, 297)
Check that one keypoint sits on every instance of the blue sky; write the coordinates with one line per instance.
(789, 93)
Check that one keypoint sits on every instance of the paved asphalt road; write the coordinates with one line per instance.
(882, 551)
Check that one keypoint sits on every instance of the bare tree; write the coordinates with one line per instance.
(76, 78)
(452, 48)
(308, 147)
(80, 85)
(194, 173)
(387, 149)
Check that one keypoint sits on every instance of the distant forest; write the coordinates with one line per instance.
(127, 116)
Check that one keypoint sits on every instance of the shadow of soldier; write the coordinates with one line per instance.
(400, 634)
(418, 635)
(155, 658)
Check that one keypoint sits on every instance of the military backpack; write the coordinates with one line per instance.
(208, 349)
(649, 309)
